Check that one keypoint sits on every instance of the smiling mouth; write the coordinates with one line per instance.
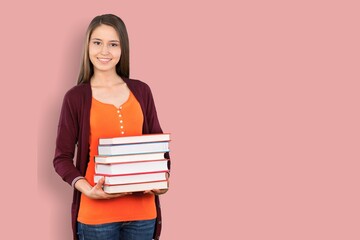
(104, 60)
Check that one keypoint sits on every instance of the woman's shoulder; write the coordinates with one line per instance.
(137, 85)
(80, 89)
(78, 92)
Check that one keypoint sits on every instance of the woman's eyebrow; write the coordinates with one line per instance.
(98, 39)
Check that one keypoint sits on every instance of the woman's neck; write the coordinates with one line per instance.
(105, 78)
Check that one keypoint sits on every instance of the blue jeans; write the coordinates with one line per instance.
(134, 230)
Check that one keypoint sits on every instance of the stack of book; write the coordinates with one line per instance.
(133, 163)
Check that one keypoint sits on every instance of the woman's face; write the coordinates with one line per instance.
(104, 48)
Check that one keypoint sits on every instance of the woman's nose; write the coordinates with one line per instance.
(104, 49)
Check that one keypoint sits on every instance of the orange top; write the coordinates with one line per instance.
(107, 121)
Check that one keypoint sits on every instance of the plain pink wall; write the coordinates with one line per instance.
(261, 98)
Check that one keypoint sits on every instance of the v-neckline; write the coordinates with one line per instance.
(110, 104)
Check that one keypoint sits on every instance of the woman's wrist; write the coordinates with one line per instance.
(83, 186)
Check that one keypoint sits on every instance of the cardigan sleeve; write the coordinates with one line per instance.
(67, 137)
(151, 113)
(152, 118)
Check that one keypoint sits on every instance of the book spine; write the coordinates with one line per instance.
(126, 184)
(129, 168)
(129, 158)
(128, 174)
(136, 187)
(136, 139)
(142, 148)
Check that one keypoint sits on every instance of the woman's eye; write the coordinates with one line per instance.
(97, 43)
(114, 45)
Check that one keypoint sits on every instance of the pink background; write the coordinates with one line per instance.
(261, 98)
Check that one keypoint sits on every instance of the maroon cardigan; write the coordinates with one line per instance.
(74, 130)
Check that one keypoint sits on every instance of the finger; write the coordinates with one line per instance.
(100, 183)
(110, 196)
(155, 191)
(159, 191)
(116, 195)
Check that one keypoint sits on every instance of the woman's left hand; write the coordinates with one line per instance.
(156, 191)
(159, 191)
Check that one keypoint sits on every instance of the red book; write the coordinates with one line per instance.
(136, 187)
(129, 158)
(132, 178)
(131, 167)
(160, 137)
(133, 148)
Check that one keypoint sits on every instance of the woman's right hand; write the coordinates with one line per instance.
(96, 192)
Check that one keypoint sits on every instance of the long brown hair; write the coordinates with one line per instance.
(122, 68)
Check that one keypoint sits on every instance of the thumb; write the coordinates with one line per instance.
(101, 182)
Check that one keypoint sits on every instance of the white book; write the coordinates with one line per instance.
(161, 137)
(130, 168)
(129, 158)
(135, 148)
(132, 178)
(136, 187)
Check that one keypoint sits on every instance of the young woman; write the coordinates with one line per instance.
(106, 103)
